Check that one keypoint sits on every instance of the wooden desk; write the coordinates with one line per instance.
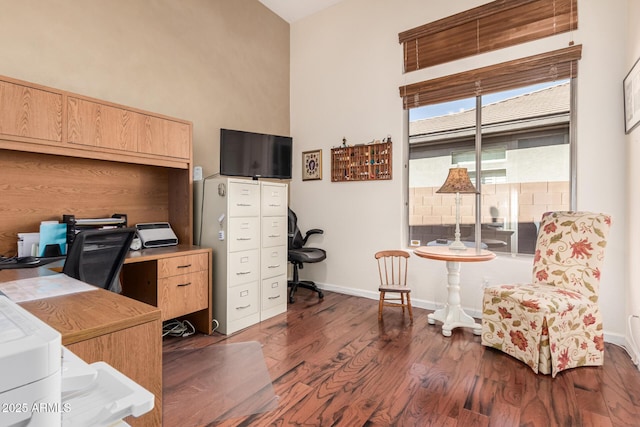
(452, 315)
(177, 279)
(101, 325)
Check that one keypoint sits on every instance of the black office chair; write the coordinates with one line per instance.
(96, 256)
(299, 255)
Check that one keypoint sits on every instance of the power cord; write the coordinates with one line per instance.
(178, 328)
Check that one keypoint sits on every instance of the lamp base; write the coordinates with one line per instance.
(457, 245)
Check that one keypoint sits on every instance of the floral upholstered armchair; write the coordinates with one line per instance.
(554, 323)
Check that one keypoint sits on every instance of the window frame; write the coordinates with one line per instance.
(478, 163)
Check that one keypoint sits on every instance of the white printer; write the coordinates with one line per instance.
(43, 384)
(30, 368)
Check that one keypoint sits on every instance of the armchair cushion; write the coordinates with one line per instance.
(521, 320)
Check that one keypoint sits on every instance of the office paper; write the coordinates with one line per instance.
(40, 287)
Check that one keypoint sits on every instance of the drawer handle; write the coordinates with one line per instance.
(243, 238)
(184, 284)
(243, 307)
(274, 205)
(184, 266)
(244, 205)
(240, 273)
(274, 235)
(274, 266)
(277, 296)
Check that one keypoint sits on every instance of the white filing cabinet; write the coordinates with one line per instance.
(245, 222)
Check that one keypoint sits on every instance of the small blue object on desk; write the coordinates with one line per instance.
(53, 239)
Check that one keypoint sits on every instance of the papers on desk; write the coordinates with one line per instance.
(35, 288)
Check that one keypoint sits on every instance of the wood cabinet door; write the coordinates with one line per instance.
(29, 112)
(164, 137)
(98, 125)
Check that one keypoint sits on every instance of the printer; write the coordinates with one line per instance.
(43, 384)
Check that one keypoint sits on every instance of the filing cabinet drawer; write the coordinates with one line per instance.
(274, 200)
(244, 233)
(183, 294)
(274, 292)
(274, 261)
(243, 301)
(244, 267)
(185, 264)
(274, 231)
(244, 198)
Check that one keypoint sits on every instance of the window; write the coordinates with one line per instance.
(524, 168)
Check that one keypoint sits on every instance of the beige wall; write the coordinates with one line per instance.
(633, 186)
(346, 67)
(217, 63)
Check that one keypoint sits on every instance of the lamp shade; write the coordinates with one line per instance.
(458, 181)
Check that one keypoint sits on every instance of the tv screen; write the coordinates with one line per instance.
(255, 155)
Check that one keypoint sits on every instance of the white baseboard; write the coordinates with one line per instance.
(610, 337)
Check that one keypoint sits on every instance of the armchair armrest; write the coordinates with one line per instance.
(311, 232)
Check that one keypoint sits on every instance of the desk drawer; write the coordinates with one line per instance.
(244, 233)
(244, 198)
(185, 264)
(274, 231)
(183, 294)
(274, 292)
(274, 199)
(243, 301)
(274, 261)
(244, 267)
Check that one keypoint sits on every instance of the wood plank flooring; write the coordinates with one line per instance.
(333, 364)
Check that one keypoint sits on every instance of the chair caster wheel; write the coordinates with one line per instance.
(291, 300)
(320, 295)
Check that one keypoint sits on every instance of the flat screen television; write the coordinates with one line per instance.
(255, 155)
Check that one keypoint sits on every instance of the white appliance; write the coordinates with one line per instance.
(156, 234)
(30, 369)
(43, 384)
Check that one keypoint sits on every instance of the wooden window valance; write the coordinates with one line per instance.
(545, 67)
(492, 26)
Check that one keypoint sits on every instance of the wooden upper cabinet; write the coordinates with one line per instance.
(39, 119)
(29, 112)
(99, 125)
(106, 126)
(165, 137)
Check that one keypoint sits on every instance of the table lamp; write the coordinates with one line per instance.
(457, 182)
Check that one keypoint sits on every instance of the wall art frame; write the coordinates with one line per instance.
(312, 165)
(631, 87)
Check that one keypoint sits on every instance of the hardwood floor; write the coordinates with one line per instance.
(333, 364)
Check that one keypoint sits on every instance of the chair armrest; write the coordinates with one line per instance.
(310, 233)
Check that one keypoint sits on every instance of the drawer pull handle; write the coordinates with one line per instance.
(243, 238)
(184, 284)
(274, 205)
(244, 205)
(274, 266)
(274, 235)
(240, 273)
(277, 296)
(243, 307)
(184, 266)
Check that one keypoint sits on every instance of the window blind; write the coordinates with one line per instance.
(545, 67)
(492, 26)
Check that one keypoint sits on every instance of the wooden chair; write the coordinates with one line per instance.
(392, 266)
(553, 323)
